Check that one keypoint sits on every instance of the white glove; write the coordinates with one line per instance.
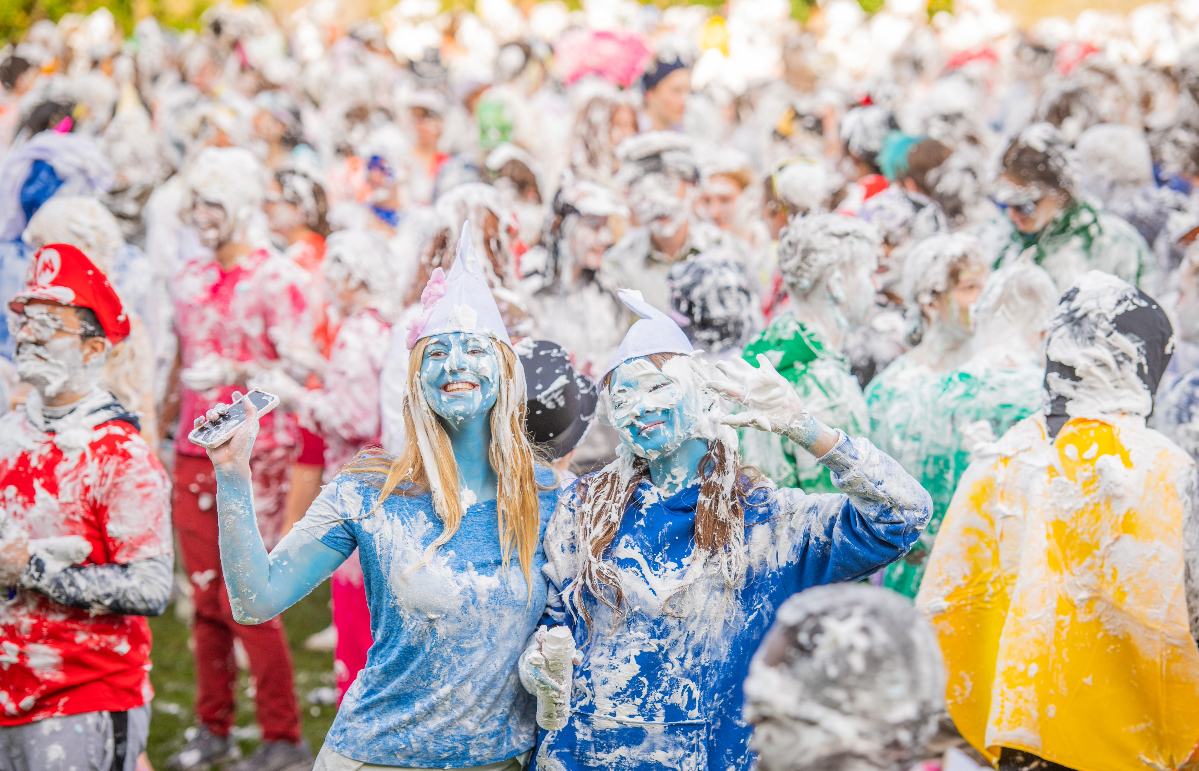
(279, 383)
(531, 668)
(210, 371)
(771, 402)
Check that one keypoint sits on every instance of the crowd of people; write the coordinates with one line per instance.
(827, 383)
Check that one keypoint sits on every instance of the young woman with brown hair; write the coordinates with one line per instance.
(667, 566)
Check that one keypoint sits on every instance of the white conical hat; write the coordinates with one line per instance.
(460, 301)
(655, 332)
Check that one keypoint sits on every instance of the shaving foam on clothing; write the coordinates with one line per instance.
(660, 684)
(440, 687)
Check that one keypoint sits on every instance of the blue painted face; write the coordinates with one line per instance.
(647, 409)
(459, 375)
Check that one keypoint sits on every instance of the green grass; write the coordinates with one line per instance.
(174, 679)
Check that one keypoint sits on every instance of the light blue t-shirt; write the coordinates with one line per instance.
(440, 687)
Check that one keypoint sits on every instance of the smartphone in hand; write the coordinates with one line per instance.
(213, 433)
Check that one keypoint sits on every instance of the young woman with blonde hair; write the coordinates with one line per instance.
(449, 535)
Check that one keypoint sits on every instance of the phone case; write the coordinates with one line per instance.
(212, 434)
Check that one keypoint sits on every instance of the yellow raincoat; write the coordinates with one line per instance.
(1057, 589)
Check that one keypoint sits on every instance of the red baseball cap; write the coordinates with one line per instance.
(63, 274)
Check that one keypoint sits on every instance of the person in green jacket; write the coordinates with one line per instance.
(1047, 217)
(943, 276)
(975, 403)
(827, 262)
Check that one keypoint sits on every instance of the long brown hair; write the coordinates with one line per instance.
(719, 534)
(510, 453)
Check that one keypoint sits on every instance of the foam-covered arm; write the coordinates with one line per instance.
(812, 435)
(140, 588)
(879, 514)
(261, 585)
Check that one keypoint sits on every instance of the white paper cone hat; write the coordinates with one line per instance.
(460, 301)
(655, 332)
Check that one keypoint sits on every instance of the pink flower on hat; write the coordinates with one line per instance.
(433, 291)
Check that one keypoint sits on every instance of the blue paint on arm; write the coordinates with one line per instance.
(261, 585)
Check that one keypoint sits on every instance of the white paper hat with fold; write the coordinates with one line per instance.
(655, 332)
(459, 302)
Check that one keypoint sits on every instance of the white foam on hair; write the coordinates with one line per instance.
(1113, 157)
(1015, 305)
(810, 246)
(1104, 359)
(82, 222)
(230, 176)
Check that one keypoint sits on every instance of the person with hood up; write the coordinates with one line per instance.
(660, 176)
(449, 535)
(85, 534)
(828, 263)
(861, 659)
(1038, 191)
(667, 565)
(1062, 586)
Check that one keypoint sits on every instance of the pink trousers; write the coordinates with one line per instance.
(352, 619)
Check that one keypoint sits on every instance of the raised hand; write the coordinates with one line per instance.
(234, 455)
(771, 402)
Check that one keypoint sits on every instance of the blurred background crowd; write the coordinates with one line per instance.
(886, 200)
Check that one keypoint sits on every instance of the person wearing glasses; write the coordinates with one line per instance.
(85, 533)
(1037, 190)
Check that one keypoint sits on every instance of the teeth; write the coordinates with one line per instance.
(459, 387)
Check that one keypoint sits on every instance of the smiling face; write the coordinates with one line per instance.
(647, 409)
(459, 376)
